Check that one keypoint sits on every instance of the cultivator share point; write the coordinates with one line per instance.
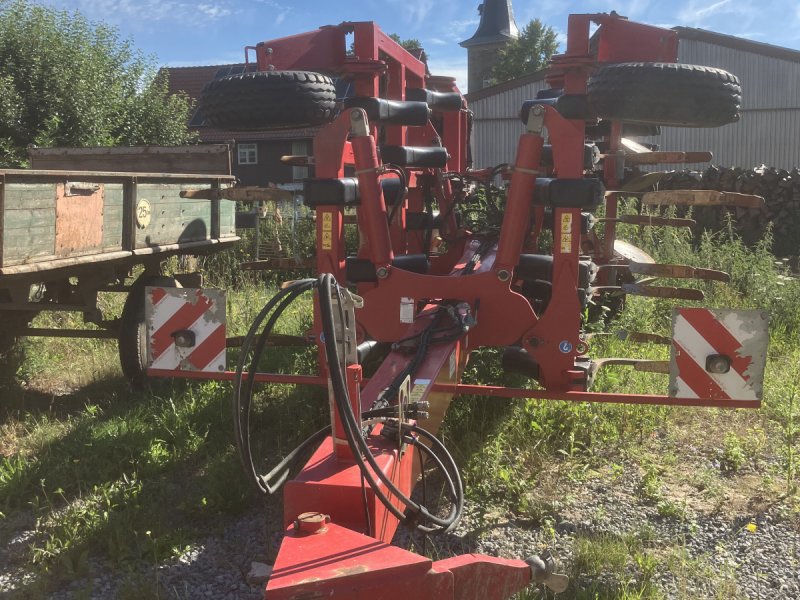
(428, 285)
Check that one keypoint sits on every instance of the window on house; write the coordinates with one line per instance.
(248, 154)
(299, 148)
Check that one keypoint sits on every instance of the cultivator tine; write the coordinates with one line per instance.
(642, 183)
(655, 158)
(638, 364)
(702, 198)
(652, 291)
(631, 253)
(678, 272)
(638, 337)
(653, 366)
(651, 221)
(240, 194)
(297, 160)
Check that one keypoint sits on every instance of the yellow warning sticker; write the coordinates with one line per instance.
(327, 231)
(566, 233)
(566, 223)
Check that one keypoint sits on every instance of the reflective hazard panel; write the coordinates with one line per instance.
(185, 329)
(718, 353)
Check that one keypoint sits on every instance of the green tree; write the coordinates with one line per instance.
(67, 82)
(412, 45)
(530, 52)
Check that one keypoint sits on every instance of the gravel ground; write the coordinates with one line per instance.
(722, 554)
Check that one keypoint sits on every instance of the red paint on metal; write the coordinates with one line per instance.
(208, 349)
(187, 314)
(353, 379)
(696, 377)
(157, 294)
(339, 563)
(718, 336)
(231, 375)
(372, 218)
(478, 577)
(336, 485)
(654, 399)
(517, 217)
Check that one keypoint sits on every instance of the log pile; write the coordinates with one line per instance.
(779, 188)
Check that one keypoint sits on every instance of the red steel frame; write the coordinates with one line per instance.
(339, 555)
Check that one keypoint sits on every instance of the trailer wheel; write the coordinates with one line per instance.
(13, 324)
(665, 94)
(268, 99)
(132, 339)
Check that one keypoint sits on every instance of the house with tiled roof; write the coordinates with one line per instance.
(255, 154)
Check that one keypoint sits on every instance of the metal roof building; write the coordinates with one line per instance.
(768, 132)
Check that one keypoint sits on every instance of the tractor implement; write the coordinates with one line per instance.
(650, 221)
(422, 290)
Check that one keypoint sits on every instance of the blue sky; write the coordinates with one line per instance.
(184, 33)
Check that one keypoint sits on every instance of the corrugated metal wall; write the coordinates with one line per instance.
(497, 126)
(768, 132)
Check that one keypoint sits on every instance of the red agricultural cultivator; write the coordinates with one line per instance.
(426, 287)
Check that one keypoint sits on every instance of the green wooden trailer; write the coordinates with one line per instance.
(66, 236)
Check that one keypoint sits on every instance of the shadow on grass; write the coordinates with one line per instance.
(122, 475)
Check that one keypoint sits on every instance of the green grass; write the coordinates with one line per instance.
(108, 471)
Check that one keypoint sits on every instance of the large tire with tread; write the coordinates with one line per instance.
(665, 94)
(132, 338)
(269, 99)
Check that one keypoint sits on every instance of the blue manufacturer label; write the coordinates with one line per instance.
(322, 337)
(565, 347)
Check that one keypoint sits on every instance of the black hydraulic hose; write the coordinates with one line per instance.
(456, 484)
(270, 482)
(282, 469)
(352, 429)
(242, 405)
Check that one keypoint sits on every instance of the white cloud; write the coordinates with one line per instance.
(697, 13)
(151, 11)
(637, 8)
(414, 11)
(213, 11)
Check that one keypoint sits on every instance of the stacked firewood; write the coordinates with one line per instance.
(779, 188)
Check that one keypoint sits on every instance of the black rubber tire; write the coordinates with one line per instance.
(665, 94)
(132, 338)
(269, 99)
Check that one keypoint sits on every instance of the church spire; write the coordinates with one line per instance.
(497, 24)
(496, 29)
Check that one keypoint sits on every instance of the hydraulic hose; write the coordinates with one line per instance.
(358, 444)
(254, 343)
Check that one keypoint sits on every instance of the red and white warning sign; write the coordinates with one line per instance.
(718, 354)
(185, 329)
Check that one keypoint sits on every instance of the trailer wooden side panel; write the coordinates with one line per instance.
(52, 216)
(112, 217)
(29, 222)
(207, 159)
(172, 219)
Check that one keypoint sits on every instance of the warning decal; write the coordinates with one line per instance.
(718, 354)
(186, 329)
